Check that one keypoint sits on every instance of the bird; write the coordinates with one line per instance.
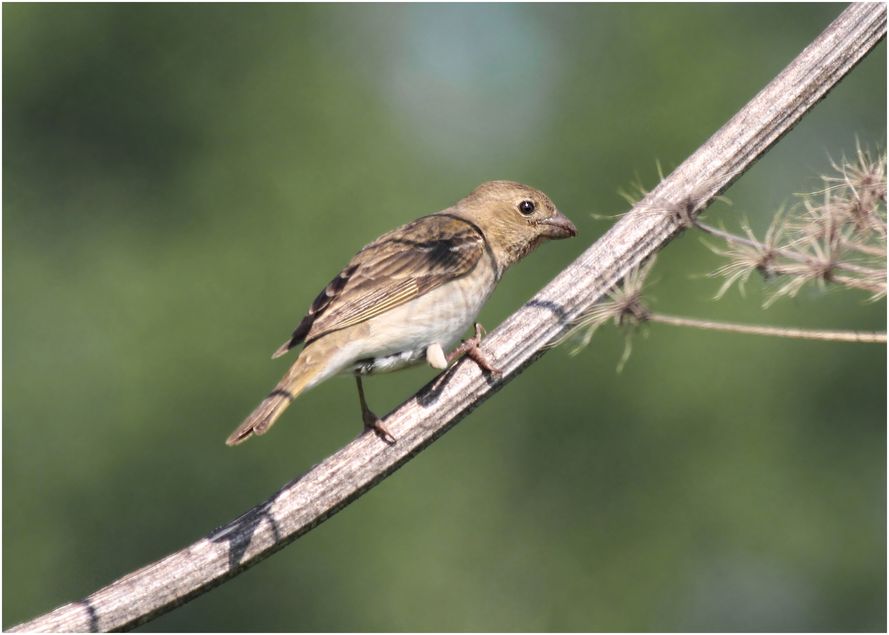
(408, 296)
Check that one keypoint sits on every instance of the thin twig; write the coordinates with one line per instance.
(867, 250)
(341, 478)
(858, 283)
(751, 329)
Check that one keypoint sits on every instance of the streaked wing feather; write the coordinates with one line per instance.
(376, 302)
(396, 268)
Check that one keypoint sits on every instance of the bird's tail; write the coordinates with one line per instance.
(301, 375)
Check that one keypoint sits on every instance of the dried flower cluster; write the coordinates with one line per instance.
(834, 236)
(622, 305)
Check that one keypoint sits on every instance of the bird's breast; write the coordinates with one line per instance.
(399, 337)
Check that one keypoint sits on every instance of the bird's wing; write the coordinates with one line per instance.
(396, 268)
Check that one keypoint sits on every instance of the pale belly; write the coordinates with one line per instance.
(400, 337)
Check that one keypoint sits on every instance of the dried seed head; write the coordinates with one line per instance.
(622, 305)
(836, 235)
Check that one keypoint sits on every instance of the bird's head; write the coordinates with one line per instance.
(514, 218)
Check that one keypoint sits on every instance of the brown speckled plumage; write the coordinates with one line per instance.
(411, 293)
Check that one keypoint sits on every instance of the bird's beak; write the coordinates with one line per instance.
(558, 226)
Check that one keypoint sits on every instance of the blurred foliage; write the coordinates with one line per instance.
(179, 182)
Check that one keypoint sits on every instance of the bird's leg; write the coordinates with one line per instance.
(372, 421)
(471, 349)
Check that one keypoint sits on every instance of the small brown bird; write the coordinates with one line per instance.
(411, 293)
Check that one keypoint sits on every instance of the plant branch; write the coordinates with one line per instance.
(751, 329)
(341, 478)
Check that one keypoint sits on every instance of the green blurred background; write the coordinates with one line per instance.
(180, 181)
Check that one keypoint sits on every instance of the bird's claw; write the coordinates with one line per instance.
(471, 349)
(373, 422)
(476, 355)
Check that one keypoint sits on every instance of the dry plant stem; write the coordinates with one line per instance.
(520, 340)
(867, 250)
(792, 333)
(856, 283)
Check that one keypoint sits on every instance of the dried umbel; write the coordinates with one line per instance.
(836, 235)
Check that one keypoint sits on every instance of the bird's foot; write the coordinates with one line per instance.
(373, 422)
(471, 349)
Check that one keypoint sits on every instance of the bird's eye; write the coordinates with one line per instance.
(526, 207)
